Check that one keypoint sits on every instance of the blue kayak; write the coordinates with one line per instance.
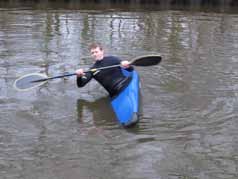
(126, 104)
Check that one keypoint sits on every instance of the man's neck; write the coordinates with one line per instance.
(99, 59)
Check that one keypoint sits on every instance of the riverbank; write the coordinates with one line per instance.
(160, 3)
(217, 5)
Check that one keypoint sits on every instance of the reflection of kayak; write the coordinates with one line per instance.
(126, 104)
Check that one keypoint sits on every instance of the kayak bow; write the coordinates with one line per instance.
(126, 104)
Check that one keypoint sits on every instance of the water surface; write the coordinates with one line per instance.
(188, 126)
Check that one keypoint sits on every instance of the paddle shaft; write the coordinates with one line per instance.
(72, 74)
(139, 61)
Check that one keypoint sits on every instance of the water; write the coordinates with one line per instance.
(188, 126)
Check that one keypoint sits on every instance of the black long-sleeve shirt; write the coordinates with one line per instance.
(112, 79)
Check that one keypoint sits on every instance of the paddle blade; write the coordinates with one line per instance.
(148, 60)
(25, 82)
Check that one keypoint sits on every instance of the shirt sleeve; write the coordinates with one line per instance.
(83, 80)
(131, 68)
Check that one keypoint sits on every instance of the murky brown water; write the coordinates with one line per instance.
(188, 127)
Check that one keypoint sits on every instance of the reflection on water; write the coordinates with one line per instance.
(188, 127)
(100, 111)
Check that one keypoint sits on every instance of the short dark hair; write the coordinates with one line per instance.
(95, 45)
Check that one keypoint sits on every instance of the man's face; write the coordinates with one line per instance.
(97, 53)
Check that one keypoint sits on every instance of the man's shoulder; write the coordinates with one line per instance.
(111, 57)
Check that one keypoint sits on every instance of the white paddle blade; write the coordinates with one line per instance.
(25, 82)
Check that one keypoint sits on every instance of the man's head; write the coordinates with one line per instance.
(96, 51)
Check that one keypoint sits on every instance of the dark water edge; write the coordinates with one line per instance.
(194, 5)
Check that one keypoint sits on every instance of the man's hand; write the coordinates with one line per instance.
(80, 72)
(125, 64)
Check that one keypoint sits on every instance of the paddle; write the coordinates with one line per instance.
(148, 60)
(29, 81)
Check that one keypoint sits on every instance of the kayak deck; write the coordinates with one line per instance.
(126, 104)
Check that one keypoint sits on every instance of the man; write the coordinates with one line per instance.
(112, 79)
